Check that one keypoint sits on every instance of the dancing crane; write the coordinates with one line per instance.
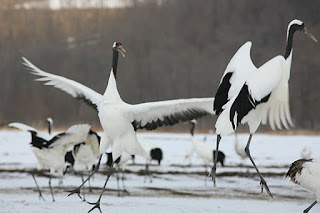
(247, 94)
(120, 120)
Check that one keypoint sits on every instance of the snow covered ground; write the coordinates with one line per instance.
(177, 185)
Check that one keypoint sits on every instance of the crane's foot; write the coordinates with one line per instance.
(96, 205)
(75, 191)
(41, 197)
(126, 191)
(263, 184)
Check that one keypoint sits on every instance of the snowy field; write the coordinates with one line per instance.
(178, 185)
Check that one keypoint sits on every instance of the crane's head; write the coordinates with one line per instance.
(193, 121)
(50, 121)
(298, 25)
(118, 47)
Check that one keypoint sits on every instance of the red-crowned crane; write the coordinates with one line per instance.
(248, 94)
(120, 120)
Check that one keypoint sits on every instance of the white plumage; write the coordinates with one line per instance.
(306, 173)
(87, 154)
(118, 119)
(51, 153)
(306, 153)
(251, 95)
(239, 148)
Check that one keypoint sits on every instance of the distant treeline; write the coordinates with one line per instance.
(177, 50)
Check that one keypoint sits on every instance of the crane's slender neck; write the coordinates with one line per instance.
(49, 128)
(192, 129)
(290, 34)
(115, 57)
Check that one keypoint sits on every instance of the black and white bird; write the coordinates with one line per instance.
(306, 173)
(120, 120)
(248, 94)
(87, 153)
(155, 153)
(204, 150)
(51, 153)
(121, 164)
(84, 156)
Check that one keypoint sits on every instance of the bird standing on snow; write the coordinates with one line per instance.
(51, 153)
(306, 173)
(121, 164)
(205, 151)
(155, 153)
(250, 95)
(120, 120)
(306, 153)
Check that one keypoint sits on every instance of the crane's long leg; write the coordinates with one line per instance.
(97, 204)
(77, 190)
(123, 186)
(263, 183)
(214, 168)
(308, 209)
(118, 178)
(40, 194)
(84, 189)
(53, 200)
(205, 172)
(147, 173)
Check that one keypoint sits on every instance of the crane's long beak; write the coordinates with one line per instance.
(122, 51)
(310, 35)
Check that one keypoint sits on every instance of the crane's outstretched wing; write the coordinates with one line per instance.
(268, 85)
(238, 70)
(156, 114)
(71, 87)
(25, 127)
(75, 134)
(22, 126)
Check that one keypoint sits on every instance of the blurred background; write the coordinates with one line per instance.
(175, 49)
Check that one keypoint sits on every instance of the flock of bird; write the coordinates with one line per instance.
(246, 95)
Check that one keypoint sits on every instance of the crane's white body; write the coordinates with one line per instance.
(117, 117)
(203, 150)
(306, 173)
(87, 154)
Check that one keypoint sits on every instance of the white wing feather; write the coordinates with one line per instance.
(25, 127)
(75, 134)
(71, 87)
(242, 66)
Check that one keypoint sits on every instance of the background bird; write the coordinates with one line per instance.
(155, 153)
(121, 164)
(205, 151)
(51, 153)
(305, 153)
(306, 173)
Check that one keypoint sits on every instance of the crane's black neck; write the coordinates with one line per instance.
(49, 128)
(115, 57)
(291, 32)
(192, 129)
